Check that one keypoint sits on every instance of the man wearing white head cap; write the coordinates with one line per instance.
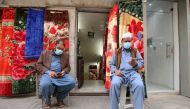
(124, 65)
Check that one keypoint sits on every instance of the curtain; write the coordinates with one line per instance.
(34, 33)
(56, 26)
(111, 40)
(21, 71)
(18, 72)
(8, 15)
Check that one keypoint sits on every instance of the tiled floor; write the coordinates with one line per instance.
(155, 101)
(97, 86)
(92, 86)
(155, 87)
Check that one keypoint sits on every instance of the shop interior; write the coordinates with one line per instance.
(91, 32)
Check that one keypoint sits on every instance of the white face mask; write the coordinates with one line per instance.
(58, 51)
(127, 45)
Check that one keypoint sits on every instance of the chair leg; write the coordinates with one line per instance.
(42, 103)
(37, 85)
(68, 97)
(122, 97)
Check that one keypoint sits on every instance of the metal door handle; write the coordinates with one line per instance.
(168, 50)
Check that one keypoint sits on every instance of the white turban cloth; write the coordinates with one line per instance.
(127, 35)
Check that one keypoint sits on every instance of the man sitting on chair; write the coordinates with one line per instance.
(124, 65)
(54, 66)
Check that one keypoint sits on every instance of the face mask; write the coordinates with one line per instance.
(58, 51)
(127, 45)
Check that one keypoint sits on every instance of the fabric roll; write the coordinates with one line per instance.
(34, 33)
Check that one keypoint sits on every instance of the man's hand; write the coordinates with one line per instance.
(133, 62)
(61, 74)
(52, 74)
(118, 73)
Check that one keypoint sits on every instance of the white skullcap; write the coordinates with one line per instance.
(127, 35)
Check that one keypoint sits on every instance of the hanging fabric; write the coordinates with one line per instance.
(56, 26)
(18, 72)
(18, 44)
(8, 15)
(131, 21)
(21, 74)
(34, 33)
(111, 40)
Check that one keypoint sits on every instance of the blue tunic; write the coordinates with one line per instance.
(62, 85)
(130, 78)
(56, 67)
(125, 67)
(56, 64)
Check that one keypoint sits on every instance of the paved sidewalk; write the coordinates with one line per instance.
(155, 101)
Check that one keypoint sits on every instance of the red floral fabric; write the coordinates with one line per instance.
(133, 25)
(8, 15)
(18, 46)
(111, 41)
(56, 26)
(18, 61)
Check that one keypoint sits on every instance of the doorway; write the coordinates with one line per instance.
(91, 31)
(161, 46)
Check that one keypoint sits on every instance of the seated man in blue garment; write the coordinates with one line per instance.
(54, 66)
(124, 65)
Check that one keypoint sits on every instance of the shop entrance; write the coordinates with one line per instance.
(91, 31)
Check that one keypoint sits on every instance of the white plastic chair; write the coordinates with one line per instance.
(123, 99)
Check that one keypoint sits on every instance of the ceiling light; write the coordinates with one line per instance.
(161, 10)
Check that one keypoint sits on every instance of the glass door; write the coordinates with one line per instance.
(160, 46)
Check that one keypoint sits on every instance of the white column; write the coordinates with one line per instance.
(184, 38)
(144, 4)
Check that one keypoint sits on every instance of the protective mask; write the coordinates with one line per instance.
(58, 51)
(127, 45)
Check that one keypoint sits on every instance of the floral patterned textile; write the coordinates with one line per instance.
(133, 25)
(8, 15)
(111, 40)
(56, 26)
(18, 61)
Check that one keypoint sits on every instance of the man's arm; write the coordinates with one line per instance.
(112, 64)
(40, 66)
(140, 61)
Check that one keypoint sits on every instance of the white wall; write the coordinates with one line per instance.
(184, 37)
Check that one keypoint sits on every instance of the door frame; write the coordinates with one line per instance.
(175, 49)
(89, 10)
